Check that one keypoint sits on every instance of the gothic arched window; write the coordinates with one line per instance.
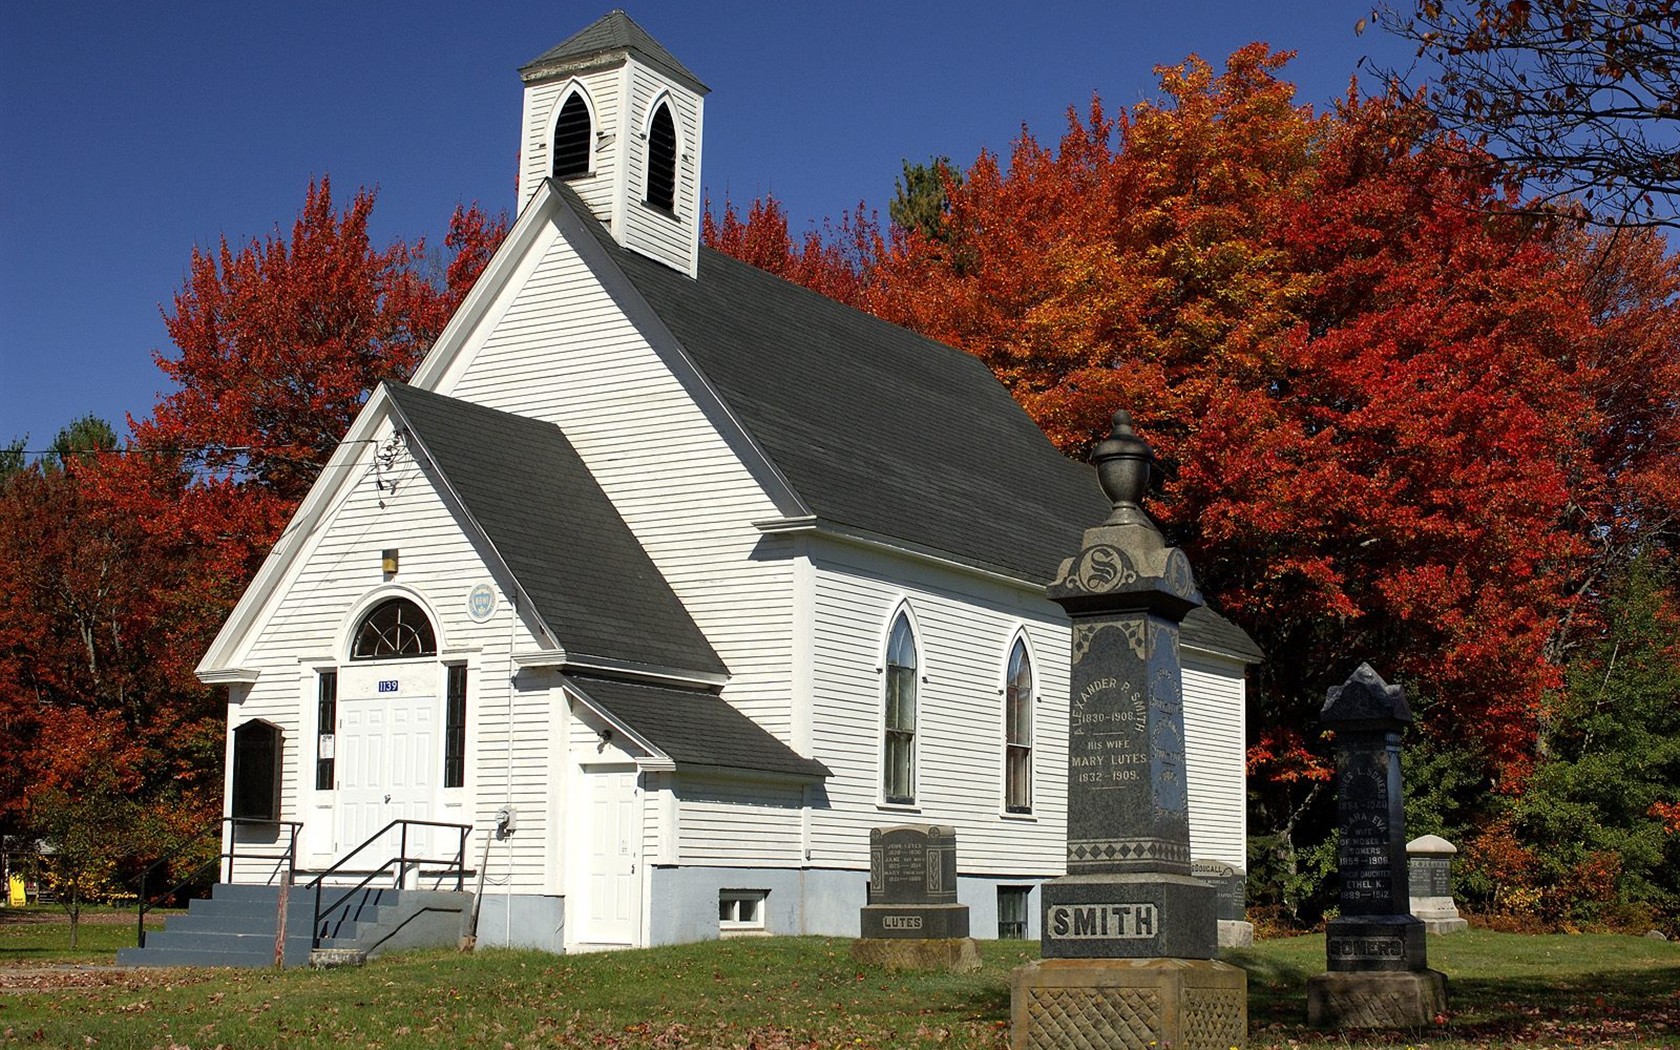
(572, 138)
(898, 750)
(395, 627)
(1018, 730)
(662, 159)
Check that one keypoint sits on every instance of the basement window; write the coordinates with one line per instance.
(741, 912)
(1012, 904)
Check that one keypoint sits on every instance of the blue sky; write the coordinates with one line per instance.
(131, 131)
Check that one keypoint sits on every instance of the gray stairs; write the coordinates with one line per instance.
(236, 926)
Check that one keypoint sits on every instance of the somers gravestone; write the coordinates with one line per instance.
(913, 920)
(1375, 950)
(1129, 934)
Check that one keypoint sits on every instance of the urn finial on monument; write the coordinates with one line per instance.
(1124, 462)
(1125, 563)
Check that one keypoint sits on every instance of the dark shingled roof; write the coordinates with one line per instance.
(879, 429)
(695, 728)
(589, 579)
(610, 35)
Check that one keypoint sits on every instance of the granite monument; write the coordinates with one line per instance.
(1129, 934)
(1378, 963)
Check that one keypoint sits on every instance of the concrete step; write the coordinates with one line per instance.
(235, 926)
(298, 922)
(250, 955)
(244, 891)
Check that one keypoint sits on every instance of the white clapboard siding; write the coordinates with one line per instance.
(1216, 758)
(966, 626)
(965, 629)
(562, 351)
(737, 823)
(649, 230)
(536, 158)
(310, 625)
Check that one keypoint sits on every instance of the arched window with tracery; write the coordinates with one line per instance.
(898, 750)
(662, 159)
(393, 629)
(572, 138)
(1018, 730)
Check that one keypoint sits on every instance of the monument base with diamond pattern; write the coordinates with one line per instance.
(1110, 1004)
(1376, 999)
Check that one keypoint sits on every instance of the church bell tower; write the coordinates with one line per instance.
(617, 118)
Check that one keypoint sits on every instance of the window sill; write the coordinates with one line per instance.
(898, 807)
(1024, 818)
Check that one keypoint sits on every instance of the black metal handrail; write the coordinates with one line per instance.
(402, 860)
(289, 857)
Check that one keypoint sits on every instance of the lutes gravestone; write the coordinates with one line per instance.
(913, 920)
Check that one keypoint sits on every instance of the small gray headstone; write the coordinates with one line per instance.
(913, 864)
(1429, 870)
(1229, 888)
(913, 884)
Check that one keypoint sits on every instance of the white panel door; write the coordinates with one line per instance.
(613, 911)
(386, 768)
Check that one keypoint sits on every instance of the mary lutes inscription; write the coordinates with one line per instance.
(1128, 923)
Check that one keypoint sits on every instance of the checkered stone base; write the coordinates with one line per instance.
(1091, 1018)
(1134, 1004)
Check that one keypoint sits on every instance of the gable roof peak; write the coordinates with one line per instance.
(608, 41)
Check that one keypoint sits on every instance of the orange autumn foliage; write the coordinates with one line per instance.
(1399, 422)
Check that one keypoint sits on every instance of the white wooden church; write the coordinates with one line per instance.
(681, 576)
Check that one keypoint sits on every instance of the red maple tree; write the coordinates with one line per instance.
(1401, 421)
(122, 565)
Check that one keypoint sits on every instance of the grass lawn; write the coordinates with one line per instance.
(40, 934)
(799, 992)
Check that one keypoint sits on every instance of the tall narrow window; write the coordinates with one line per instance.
(1018, 731)
(455, 729)
(256, 771)
(662, 160)
(393, 628)
(326, 723)
(572, 139)
(898, 779)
